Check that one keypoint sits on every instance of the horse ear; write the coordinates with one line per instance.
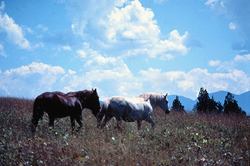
(166, 95)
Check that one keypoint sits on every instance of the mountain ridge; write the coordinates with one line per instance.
(243, 100)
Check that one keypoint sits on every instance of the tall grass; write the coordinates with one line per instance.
(178, 139)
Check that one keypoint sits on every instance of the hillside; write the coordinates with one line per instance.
(177, 139)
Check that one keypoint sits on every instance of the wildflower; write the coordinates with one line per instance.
(113, 138)
(204, 141)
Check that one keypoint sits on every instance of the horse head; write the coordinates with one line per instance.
(167, 111)
(163, 104)
(92, 102)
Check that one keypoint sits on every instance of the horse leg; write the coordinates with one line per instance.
(34, 123)
(51, 121)
(106, 119)
(139, 124)
(72, 119)
(119, 122)
(151, 121)
(99, 118)
(79, 121)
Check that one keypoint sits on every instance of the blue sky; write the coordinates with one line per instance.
(123, 47)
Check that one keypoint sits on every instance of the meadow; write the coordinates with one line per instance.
(177, 139)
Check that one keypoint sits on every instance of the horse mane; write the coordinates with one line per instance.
(151, 95)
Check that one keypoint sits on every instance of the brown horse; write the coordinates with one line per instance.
(89, 99)
(59, 105)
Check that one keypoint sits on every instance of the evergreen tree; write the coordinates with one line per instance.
(177, 106)
(214, 106)
(205, 104)
(203, 101)
(231, 105)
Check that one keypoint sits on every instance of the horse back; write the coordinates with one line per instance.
(125, 107)
(53, 102)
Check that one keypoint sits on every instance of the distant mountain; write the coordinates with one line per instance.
(243, 99)
(186, 102)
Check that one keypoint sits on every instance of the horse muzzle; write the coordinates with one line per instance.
(167, 111)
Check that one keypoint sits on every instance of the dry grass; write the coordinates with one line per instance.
(178, 139)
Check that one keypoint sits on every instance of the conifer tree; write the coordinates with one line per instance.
(177, 106)
(203, 101)
(231, 105)
(206, 104)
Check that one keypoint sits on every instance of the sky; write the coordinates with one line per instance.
(124, 47)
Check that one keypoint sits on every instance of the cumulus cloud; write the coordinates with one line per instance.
(214, 63)
(123, 26)
(105, 72)
(32, 79)
(242, 58)
(13, 31)
(190, 82)
(86, 51)
(35, 67)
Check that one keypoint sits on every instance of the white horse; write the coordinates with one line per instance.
(130, 110)
(157, 100)
(127, 109)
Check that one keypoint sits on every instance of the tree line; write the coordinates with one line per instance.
(205, 104)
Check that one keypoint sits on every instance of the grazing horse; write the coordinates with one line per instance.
(56, 105)
(129, 110)
(157, 100)
(89, 99)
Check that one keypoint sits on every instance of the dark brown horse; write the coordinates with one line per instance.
(56, 106)
(89, 99)
(59, 105)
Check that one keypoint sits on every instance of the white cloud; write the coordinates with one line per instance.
(71, 72)
(232, 26)
(217, 6)
(131, 22)
(86, 51)
(189, 82)
(42, 27)
(229, 66)
(159, 1)
(126, 27)
(136, 23)
(34, 67)
(2, 52)
(242, 58)
(29, 81)
(14, 32)
(2, 5)
(166, 57)
(214, 63)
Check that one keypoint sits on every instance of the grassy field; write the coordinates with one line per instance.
(178, 139)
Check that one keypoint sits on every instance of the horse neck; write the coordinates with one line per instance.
(153, 102)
